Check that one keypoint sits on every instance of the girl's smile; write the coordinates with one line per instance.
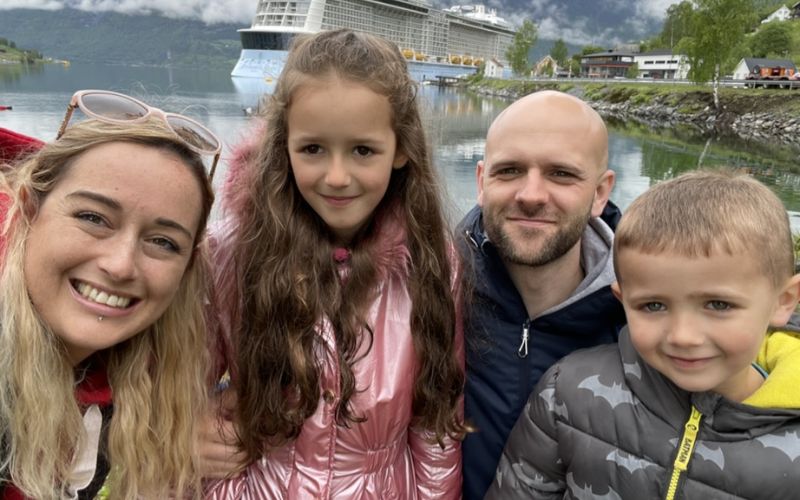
(342, 150)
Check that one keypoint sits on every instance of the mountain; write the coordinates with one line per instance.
(115, 36)
(585, 22)
(112, 37)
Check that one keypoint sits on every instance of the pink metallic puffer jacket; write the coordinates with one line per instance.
(381, 458)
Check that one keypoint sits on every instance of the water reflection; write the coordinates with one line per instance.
(456, 122)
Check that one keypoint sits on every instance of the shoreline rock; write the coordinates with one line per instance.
(757, 117)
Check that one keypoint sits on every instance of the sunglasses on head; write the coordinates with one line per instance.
(113, 107)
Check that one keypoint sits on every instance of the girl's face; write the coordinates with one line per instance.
(112, 240)
(342, 149)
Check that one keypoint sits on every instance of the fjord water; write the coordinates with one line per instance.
(456, 122)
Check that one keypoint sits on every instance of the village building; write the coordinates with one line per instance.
(750, 65)
(608, 64)
(662, 64)
(547, 66)
(493, 68)
(782, 14)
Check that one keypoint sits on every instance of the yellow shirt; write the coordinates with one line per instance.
(780, 357)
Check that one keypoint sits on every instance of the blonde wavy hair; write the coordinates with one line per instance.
(157, 377)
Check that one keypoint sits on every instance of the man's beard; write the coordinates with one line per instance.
(534, 247)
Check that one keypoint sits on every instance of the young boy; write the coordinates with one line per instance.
(695, 401)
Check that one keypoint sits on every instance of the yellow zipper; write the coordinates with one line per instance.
(685, 449)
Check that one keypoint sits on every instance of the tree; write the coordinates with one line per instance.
(632, 72)
(718, 26)
(517, 52)
(773, 39)
(677, 24)
(559, 52)
(591, 49)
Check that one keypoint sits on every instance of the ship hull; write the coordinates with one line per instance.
(268, 64)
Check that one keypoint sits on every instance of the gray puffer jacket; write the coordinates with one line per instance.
(602, 424)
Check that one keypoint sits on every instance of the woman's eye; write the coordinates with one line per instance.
(654, 307)
(91, 217)
(363, 151)
(166, 244)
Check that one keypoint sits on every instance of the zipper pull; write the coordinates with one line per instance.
(468, 235)
(522, 352)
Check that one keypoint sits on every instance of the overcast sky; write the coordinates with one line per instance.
(554, 18)
(210, 11)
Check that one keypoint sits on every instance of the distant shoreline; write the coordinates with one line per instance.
(764, 115)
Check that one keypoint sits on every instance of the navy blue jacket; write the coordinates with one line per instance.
(499, 378)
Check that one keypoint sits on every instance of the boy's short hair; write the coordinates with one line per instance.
(704, 211)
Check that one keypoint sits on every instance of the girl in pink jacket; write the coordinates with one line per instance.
(334, 286)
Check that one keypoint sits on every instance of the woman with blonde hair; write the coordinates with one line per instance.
(101, 295)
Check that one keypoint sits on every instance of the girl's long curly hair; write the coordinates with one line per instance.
(158, 377)
(288, 280)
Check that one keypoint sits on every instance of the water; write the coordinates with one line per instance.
(456, 123)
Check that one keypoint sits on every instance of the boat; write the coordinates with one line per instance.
(426, 36)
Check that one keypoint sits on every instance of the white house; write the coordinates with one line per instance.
(662, 64)
(782, 14)
(547, 66)
(493, 68)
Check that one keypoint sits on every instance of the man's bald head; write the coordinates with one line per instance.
(555, 113)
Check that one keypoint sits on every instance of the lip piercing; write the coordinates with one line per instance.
(100, 318)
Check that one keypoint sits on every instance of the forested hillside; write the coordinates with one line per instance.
(110, 37)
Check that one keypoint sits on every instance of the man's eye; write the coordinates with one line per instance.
(507, 171)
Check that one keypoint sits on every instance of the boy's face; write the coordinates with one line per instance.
(700, 321)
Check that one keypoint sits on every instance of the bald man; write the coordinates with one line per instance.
(540, 255)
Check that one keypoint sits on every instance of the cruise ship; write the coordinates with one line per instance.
(437, 43)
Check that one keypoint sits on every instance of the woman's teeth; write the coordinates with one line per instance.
(96, 295)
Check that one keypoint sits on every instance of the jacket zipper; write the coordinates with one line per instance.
(685, 449)
(522, 352)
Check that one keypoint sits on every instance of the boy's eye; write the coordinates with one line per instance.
(363, 151)
(654, 307)
(718, 305)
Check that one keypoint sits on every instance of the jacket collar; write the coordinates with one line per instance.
(725, 420)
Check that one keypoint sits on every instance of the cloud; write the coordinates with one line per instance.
(612, 22)
(32, 4)
(209, 11)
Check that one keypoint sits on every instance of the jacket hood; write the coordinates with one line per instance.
(727, 420)
(780, 357)
(596, 258)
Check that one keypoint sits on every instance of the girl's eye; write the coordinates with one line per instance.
(91, 217)
(719, 305)
(363, 151)
(654, 307)
(312, 149)
(166, 244)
